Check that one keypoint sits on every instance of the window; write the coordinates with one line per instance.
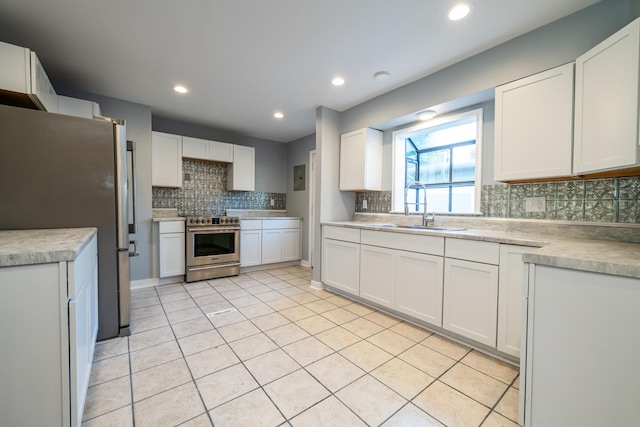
(444, 157)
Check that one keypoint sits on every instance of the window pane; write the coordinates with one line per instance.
(412, 172)
(464, 163)
(462, 199)
(434, 167)
(438, 199)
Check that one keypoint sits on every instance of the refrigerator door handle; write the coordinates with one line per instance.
(133, 226)
(135, 248)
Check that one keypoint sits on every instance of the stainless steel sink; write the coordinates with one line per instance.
(426, 227)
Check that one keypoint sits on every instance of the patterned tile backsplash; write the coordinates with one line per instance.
(204, 192)
(597, 200)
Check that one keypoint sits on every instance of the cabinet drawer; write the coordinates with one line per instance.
(171, 227)
(432, 245)
(473, 250)
(251, 224)
(271, 224)
(342, 233)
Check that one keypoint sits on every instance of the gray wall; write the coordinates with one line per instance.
(271, 156)
(298, 201)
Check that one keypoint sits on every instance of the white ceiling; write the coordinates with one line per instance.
(244, 59)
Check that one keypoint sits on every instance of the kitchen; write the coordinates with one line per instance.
(543, 49)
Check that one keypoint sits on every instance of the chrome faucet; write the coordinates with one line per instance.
(425, 220)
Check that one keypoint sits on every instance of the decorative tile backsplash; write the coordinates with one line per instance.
(204, 192)
(597, 200)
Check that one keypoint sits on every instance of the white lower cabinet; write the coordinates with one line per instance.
(49, 314)
(377, 275)
(268, 241)
(280, 240)
(419, 286)
(470, 303)
(471, 288)
(341, 258)
(250, 242)
(172, 248)
(582, 349)
(291, 244)
(510, 298)
(271, 246)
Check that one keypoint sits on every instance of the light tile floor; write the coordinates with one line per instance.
(264, 349)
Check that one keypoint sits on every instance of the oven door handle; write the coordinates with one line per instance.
(217, 229)
(209, 267)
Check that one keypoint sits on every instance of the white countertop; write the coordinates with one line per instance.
(600, 256)
(22, 247)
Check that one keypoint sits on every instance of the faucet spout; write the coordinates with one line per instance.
(425, 220)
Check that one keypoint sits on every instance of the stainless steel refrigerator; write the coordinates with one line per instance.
(60, 171)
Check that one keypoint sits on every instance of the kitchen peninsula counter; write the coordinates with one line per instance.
(614, 257)
(24, 247)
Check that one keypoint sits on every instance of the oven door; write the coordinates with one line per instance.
(212, 245)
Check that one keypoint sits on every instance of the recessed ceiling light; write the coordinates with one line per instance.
(180, 89)
(459, 11)
(381, 76)
(337, 81)
(278, 115)
(426, 114)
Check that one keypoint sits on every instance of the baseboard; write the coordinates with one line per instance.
(318, 286)
(305, 263)
(154, 281)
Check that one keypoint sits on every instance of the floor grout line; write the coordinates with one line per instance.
(321, 296)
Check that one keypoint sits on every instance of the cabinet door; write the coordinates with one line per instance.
(606, 105)
(361, 160)
(250, 247)
(533, 126)
(471, 300)
(194, 148)
(172, 254)
(341, 265)
(271, 246)
(241, 173)
(568, 369)
(377, 275)
(220, 152)
(510, 298)
(77, 107)
(166, 160)
(291, 244)
(418, 282)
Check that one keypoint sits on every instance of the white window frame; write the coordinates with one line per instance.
(398, 150)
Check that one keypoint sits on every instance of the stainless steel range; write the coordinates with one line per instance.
(213, 247)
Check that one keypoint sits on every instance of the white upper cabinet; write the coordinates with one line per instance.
(78, 107)
(202, 149)
(241, 174)
(606, 104)
(361, 160)
(22, 73)
(533, 125)
(195, 148)
(166, 160)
